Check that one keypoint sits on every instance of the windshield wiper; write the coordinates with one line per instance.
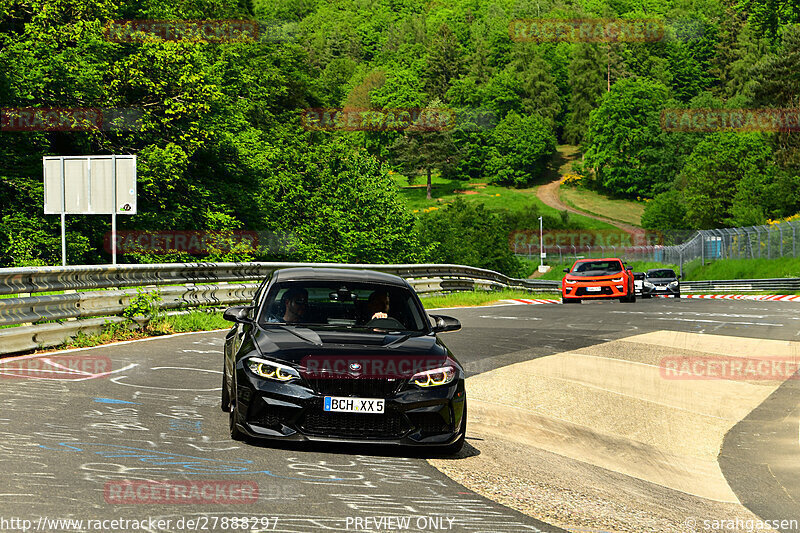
(304, 334)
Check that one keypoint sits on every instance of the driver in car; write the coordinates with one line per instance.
(378, 305)
(295, 302)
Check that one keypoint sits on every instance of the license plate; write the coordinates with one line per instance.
(661, 288)
(593, 289)
(353, 405)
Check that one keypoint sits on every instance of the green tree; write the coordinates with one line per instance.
(521, 148)
(621, 142)
(665, 212)
(468, 234)
(720, 176)
(445, 61)
(586, 82)
(342, 206)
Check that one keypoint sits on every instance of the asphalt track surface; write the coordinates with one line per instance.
(149, 411)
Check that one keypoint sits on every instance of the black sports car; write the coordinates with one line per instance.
(328, 354)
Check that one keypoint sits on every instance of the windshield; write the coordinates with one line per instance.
(666, 273)
(596, 268)
(342, 305)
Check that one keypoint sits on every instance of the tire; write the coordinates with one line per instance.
(236, 433)
(225, 404)
(570, 300)
(452, 449)
(677, 295)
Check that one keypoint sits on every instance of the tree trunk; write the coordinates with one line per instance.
(429, 183)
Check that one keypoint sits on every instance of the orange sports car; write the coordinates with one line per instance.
(597, 279)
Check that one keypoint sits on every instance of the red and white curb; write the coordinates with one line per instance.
(527, 301)
(757, 297)
(753, 297)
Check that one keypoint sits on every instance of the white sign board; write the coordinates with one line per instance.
(90, 185)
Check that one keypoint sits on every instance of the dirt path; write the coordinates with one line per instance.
(549, 194)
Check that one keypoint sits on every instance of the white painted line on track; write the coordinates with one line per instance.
(674, 319)
(511, 317)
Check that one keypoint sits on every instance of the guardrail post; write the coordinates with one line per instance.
(780, 231)
(702, 248)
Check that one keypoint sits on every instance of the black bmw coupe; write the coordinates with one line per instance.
(325, 354)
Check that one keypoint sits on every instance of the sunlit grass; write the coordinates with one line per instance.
(491, 196)
(627, 211)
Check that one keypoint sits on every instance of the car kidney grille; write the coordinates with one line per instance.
(357, 387)
(385, 425)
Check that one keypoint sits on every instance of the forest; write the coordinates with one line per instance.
(221, 130)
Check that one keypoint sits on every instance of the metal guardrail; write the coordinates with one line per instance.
(743, 285)
(181, 286)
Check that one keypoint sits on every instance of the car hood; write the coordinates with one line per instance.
(292, 345)
(661, 281)
(605, 277)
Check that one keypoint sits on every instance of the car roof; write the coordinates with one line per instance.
(599, 259)
(337, 274)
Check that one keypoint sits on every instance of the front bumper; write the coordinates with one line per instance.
(663, 290)
(607, 290)
(294, 411)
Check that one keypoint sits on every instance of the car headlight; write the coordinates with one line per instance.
(673, 283)
(271, 370)
(571, 281)
(648, 285)
(435, 377)
(617, 280)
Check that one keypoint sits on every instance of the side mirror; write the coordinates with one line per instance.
(566, 270)
(238, 313)
(679, 276)
(445, 323)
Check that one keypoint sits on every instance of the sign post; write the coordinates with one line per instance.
(89, 185)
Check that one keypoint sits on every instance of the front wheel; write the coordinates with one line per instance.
(570, 300)
(236, 433)
(677, 295)
(225, 404)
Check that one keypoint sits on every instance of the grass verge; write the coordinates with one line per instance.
(445, 191)
(783, 267)
(472, 299)
(594, 203)
(197, 320)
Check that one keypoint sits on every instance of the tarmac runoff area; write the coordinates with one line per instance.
(598, 439)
